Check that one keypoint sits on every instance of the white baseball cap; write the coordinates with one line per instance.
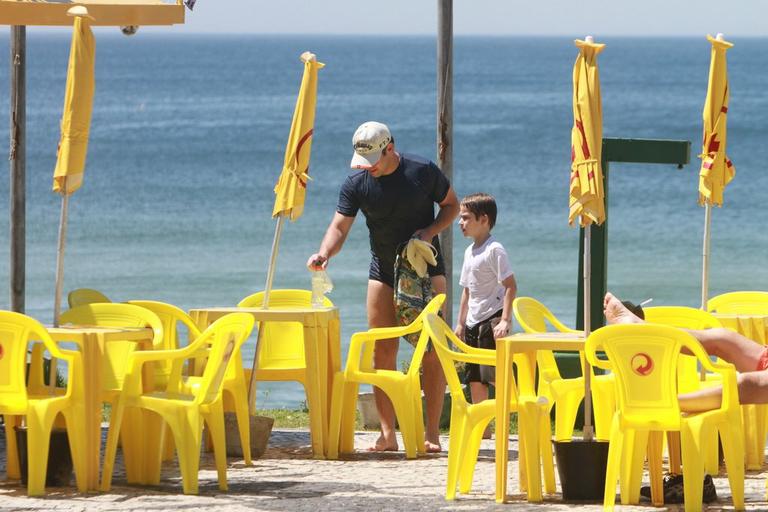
(369, 141)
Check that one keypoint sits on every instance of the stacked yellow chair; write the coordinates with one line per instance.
(688, 377)
(17, 331)
(755, 416)
(643, 358)
(185, 413)
(82, 296)
(468, 421)
(115, 366)
(403, 389)
(564, 394)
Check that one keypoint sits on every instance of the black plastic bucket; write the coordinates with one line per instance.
(581, 467)
(59, 470)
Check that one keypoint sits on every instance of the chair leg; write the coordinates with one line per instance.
(673, 450)
(635, 474)
(404, 414)
(615, 451)
(655, 447)
(13, 469)
(528, 425)
(240, 398)
(455, 450)
(418, 417)
(565, 416)
(75, 419)
(187, 431)
(215, 420)
(545, 446)
(335, 419)
(733, 450)
(38, 443)
(471, 451)
(110, 452)
(693, 465)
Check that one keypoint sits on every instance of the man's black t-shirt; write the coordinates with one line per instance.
(396, 205)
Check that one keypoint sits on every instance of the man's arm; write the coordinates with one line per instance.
(449, 209)
(332, 241)
(502, 328)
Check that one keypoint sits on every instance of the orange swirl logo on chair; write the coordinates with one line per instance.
(1, 350)
(642, 364)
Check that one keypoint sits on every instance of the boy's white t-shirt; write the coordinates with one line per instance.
(484, 269)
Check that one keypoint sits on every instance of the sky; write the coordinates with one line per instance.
(477, 17)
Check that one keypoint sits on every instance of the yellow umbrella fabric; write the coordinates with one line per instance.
(291, 187)
(78, 104)
(717, 170)
(586, 199)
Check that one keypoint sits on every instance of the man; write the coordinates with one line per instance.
(397, 193)
(749, 358)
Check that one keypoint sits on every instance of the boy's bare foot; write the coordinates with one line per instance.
(616, 313)
(382, 445)
(431, 447)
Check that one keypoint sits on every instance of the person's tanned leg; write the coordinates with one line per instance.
(381, 313)
(434, 386)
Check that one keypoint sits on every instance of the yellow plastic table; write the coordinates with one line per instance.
(525, 345)
(92, 342)
(322, 352)
(755, 416)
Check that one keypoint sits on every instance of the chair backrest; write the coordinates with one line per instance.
(16, 332)
(443, 339)
(644, 358)
(82, 296)
(745, 303)
(225, 337)
(170, 316)
(119, 315)
(282, 343)
(534, 317)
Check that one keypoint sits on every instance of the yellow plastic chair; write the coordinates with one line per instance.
(114, 366)
(82, 296)
(564, 394)
(183, 412)
(688, 376)
(643, 358)
(746, 303)
(281, 354)
(403, 389)
(468, 421)
(17, 331)
(235, 387)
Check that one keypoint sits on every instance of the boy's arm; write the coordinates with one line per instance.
(502, 328)
(462, 318)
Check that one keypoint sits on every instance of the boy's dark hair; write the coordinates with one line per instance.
(481, 204)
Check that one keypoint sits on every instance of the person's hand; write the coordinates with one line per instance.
(459, 332)
(425, 234)
(317, 262)
(501, 329)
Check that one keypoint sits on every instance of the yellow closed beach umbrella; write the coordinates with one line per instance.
(291, 188)
(717, 170)
(586, 199)
(75, 125)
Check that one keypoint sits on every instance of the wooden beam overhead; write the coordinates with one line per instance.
(116, 13)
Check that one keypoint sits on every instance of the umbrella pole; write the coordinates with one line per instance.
(60, 254)
(588, 428)
(264, 305)
(705, 269)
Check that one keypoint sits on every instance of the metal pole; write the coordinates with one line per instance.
(589, 432)
(705, 256)
(445, 129)
(264, 305)
(60, 254)
(17, 162)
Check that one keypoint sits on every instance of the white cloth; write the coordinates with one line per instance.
(484, 269)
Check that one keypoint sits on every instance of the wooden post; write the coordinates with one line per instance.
(17, 163)
(445, 129)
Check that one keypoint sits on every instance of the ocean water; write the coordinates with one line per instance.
(188, 136)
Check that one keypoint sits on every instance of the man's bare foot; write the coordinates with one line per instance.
(616, 313)
(487, 432)
(382, 445)
(431, 447)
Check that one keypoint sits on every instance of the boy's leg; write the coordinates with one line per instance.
(434, 386)
(381, 313)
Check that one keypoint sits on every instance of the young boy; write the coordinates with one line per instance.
(489, 286)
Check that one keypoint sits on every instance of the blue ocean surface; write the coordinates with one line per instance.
(188, 136)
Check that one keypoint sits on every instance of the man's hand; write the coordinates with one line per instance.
(501, 329)
(459, 331)
(425, 234)
(317, 262)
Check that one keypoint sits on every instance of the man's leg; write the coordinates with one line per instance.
(381, 313)
(434, 386)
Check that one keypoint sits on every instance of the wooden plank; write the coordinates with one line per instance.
(18, 161)
(116, 13)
